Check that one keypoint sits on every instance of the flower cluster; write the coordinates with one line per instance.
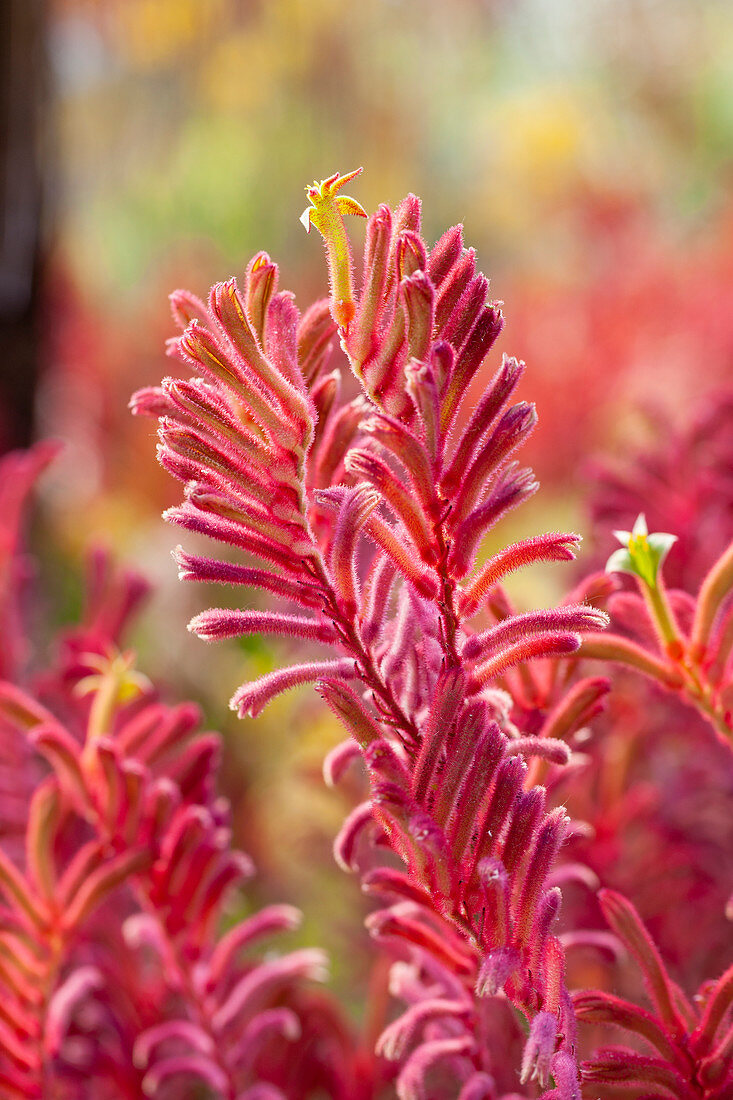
(116, 980)
(666, 842)
(692, 1040)
(350, 477)
(368, 506)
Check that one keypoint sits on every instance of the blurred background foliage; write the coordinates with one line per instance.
(586, 145)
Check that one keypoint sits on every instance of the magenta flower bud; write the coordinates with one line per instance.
(101, 883)
(186, 1066)
(408, 450)
(547, 913)
(346, 844)
(260, 285)
(381, 758)
(386, 882)
(201, 348)
(63, 752)
(268, 979)
(444, 254)
(494, 881)
(171, 1030)
(361, 340)
(337, 761)
(402, 922)
(410, 254)
(196, 766)
(424, 830)
(274, 401)
(265, 923)
(417, 292)
(281, 352)
(495, 970)
(352, 711)
(547, 842)
(402, 556)
(638, 1072)
(151, 401)
(454, 286)
(467, 311)
(511, 430)
(191, 567)
(356, 508)
(316, 329)
(479, 1086)
(543, 645)
(271, 1023)
(447, 700)
(324, 395)
(391, 798)
(555, 752)
(199, 402)
(442, 361)
(474, 350)
(421, 385)
(539, 1050)
(567, 618)
(251, 699)
(376, 252)
(565, 1075)
(224, 622)
(407, 215)
(465, 823)
(412, 1083)
(362, 463)
(73, 991)
(186, 307)
(509, 776)
(582, 702)
(626, 923)
(526, 815)
(515, 486)
(500, 389)
(396, 1039)
(466, 743)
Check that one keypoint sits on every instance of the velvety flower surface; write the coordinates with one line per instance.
(539, 845)
(366, 503)
(116, 978)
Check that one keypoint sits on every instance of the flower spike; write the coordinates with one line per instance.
(326, 213)
(368, 512)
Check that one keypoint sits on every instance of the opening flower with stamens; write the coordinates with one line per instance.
(326, 213)
(641, 554)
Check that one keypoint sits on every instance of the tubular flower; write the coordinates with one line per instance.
(668, 847)
(688, 1044)
(367, 514)
(116, 978)
(326, 213)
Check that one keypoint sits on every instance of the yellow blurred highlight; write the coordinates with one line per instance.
(152, 32)
(542, 132)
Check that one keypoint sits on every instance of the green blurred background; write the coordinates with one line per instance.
(586, 145)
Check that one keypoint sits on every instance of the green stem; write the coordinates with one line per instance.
(663, 617)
